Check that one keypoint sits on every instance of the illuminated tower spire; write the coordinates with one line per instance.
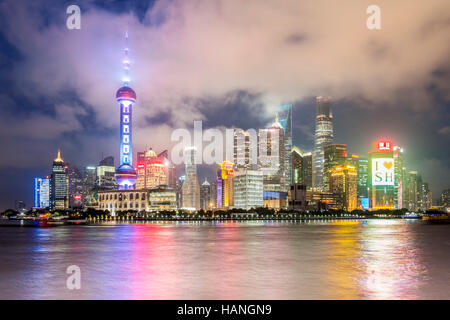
(126, 97)
(58, 158)
(126, 63)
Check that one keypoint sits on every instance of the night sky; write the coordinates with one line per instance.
(228, 63)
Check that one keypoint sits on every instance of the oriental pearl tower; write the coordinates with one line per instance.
(125, 174)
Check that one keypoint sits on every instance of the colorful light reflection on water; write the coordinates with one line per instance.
(352, 259)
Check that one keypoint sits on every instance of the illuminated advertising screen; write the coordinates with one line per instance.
(383, 172)
(365, 203)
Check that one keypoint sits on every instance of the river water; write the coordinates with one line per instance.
(361, 259)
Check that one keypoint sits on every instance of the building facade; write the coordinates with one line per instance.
(42, 192)
(245, 147)
(334, 155)
(190, 190)
(76, 187)
(284, 116)
(297, 197)
(323, 136)
(225, 188)
(205, 196)
(248, 189)
(59, 184)
(151, 170)
(382, 176)
(344, 182)
(125, 174)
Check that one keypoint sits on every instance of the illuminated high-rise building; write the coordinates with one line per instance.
(284, 115)
(126, 175)
(363, 177)
(170, 169)
(425, 201)
(190, 190)
(344, 181)
(445, 199)
(205, 196)
(245, 148)
(41, 192)
(89, 185)
(362, 167)
(297, 166)
(105, 177)
(301, 167)
(271, 157)
(399, 202)
(382, 176)
(323, 137)
(414, 182)
(334, 154)
(151, 170)
(271, 161)
(307, 169)
(76, 186)
(59, 184)
(225, 188)
(248, 189)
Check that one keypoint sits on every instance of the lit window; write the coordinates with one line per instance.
(126, 109)
(126, 119)
(126, 149)
(125, 159)
(126, 129)
(126, 138)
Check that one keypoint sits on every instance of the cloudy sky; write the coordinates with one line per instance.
(228, 63)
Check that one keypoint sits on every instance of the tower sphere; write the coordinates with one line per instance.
(126, 93)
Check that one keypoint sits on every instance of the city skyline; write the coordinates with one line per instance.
(78, 125)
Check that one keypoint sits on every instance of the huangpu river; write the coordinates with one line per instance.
(355, 259)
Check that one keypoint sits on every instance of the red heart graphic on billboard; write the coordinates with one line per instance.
(387, 165)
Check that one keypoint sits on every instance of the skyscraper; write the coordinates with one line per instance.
(284, 115)
(170, 169)
(343, 181)
(307, 169)
(363, 177)
(126, 97)
(225, 189)
(334, 154)
(271, 158)
(41, 192)
(76, 187)
(271, 161)
(398, 172)
(382, 177)
(413, 190)
(150, 169)
(205, 196)
(297, 166)
(89, 185)
(190, 191)
(59, 184)
(248, 189)
(425, 197)
(105, 177)
(323, 137)
(445, 199)
(243, 153)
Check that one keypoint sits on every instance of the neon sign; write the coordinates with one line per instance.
(384, 145)
(383, 172)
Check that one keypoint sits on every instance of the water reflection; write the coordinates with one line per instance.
(342, 259)
(391, 261)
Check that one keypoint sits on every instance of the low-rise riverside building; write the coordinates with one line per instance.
(158, 198)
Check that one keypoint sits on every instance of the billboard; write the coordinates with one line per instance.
(365, 203)
(383, 172)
